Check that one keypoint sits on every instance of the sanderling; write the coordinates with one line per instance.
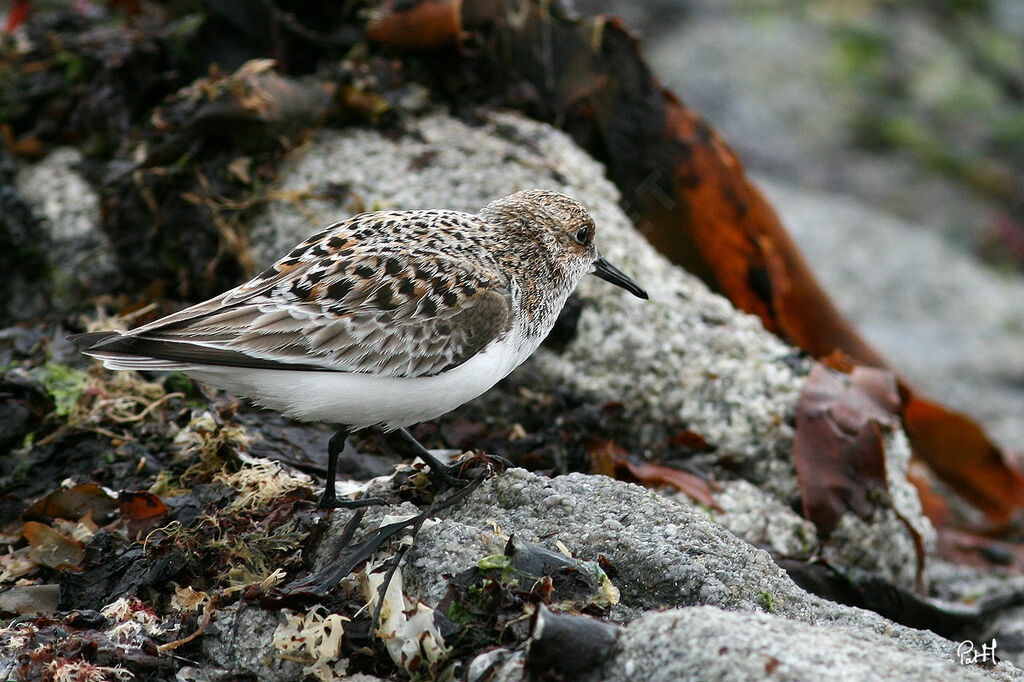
(387, 318)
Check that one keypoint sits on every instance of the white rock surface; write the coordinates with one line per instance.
(77, 251)
(684, 359)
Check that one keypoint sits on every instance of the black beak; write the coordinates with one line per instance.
(610, 273)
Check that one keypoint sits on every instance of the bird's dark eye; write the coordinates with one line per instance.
(583, 235)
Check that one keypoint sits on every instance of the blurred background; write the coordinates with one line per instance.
(915, 106)
(890, 138)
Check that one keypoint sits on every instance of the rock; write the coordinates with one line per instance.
(724, 378)
(685, 359)
(239, 640)
(79, 255)
(762, 519)
(708, 643)
(733, 611)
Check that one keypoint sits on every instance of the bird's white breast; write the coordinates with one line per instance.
(361, 400)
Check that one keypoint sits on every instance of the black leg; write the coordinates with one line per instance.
(329, 499)
(444, 472)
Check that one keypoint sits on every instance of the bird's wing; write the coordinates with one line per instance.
(340, 301)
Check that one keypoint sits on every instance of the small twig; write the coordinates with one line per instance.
(110, 434)
(142, 415)
(172, 527)
(53, 436)
(204, 621)
(144, 310)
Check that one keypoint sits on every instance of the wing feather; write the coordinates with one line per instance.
(379, 308)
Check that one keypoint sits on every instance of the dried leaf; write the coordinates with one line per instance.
(28, 145)
(313, 639)
(933, 505)
(79, 531)
(612, 460)
(979, 551)
(52, 549)
(838, 447)
(406, 625)
(368, 106)
(695, 487)
(605, 456)
(420, 25)
(689, 440)
(186, 599)
(16, 14)
(139, 506)
(17, 563)
(241, 169)
(73, 503)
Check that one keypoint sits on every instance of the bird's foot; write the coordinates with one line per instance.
(445, 474)
(466, 470)
(451, 475)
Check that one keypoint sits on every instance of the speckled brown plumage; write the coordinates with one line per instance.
(392, 293)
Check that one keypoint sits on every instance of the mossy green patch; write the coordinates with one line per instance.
(768, 601)
(64, 384)
(500, 562)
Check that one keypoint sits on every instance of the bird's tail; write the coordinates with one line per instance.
(117, 351)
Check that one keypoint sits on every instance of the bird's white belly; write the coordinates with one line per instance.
(361, 400)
